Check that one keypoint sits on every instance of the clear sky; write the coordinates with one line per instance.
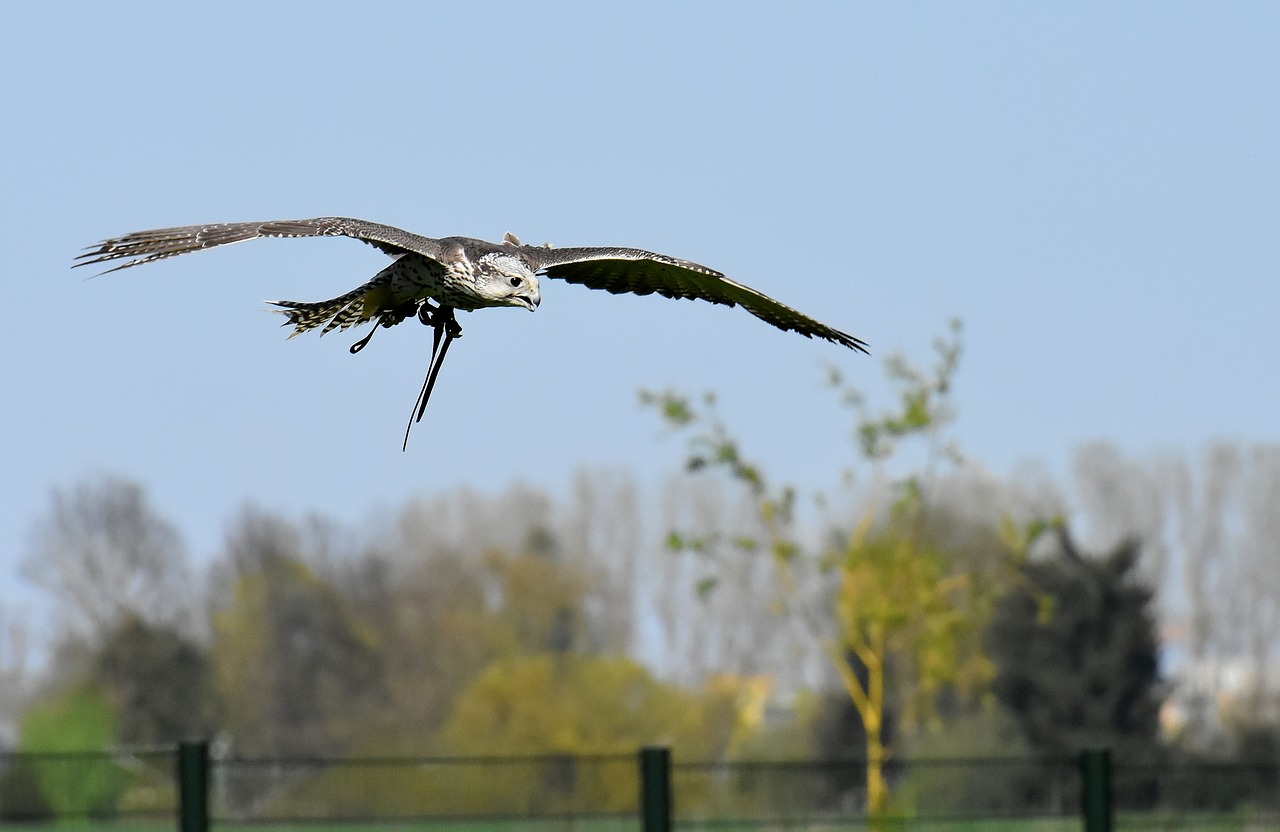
(1093, 188)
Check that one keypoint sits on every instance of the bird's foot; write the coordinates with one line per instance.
(441, 318)
(389, 318)
(452, 328)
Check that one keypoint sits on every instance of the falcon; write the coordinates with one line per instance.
(430, 278)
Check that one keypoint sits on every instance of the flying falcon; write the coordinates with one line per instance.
(458, 273)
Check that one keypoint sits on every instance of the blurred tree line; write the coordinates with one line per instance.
(306, 639)
(927, 608)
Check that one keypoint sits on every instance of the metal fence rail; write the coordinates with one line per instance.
(1205, 788)
(90, 785)
(153, 789)
(379, 789)
(814, 793)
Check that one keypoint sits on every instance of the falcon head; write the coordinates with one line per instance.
(505, 280)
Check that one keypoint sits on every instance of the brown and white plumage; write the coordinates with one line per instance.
(159, 243)
(459, 273)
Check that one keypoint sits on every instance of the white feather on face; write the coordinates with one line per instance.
(506, 280)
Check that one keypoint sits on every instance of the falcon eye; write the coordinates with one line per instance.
(516, 281)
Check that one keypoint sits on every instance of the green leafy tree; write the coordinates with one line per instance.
(907, 612)
(573, 705)
(64, 726)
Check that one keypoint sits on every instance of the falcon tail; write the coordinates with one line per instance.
(352, 309)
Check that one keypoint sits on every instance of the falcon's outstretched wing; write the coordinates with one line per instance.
(640, 272)
(157, 244)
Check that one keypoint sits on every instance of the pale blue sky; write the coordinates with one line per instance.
(1093, 188)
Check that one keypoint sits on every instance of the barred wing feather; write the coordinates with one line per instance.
(146, 246)
(640, 272)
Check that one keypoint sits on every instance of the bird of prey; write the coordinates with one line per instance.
(457, 273)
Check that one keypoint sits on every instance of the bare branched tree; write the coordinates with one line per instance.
(1122, 499)
(15, 677)
(466, 521)
(719, 611)
(604, 535)
(1258, 550)
(1201, 506)
(104, 553)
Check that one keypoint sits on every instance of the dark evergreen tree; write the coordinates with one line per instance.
(162, 683)
(1076, 654)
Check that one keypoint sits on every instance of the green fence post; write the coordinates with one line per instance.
(1095, 772)
(655, 789)
(193, 787)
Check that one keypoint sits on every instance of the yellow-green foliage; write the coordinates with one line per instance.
(78, 720)
(572, 705)
(540, 734)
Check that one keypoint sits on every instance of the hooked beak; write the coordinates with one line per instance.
(529, 302)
